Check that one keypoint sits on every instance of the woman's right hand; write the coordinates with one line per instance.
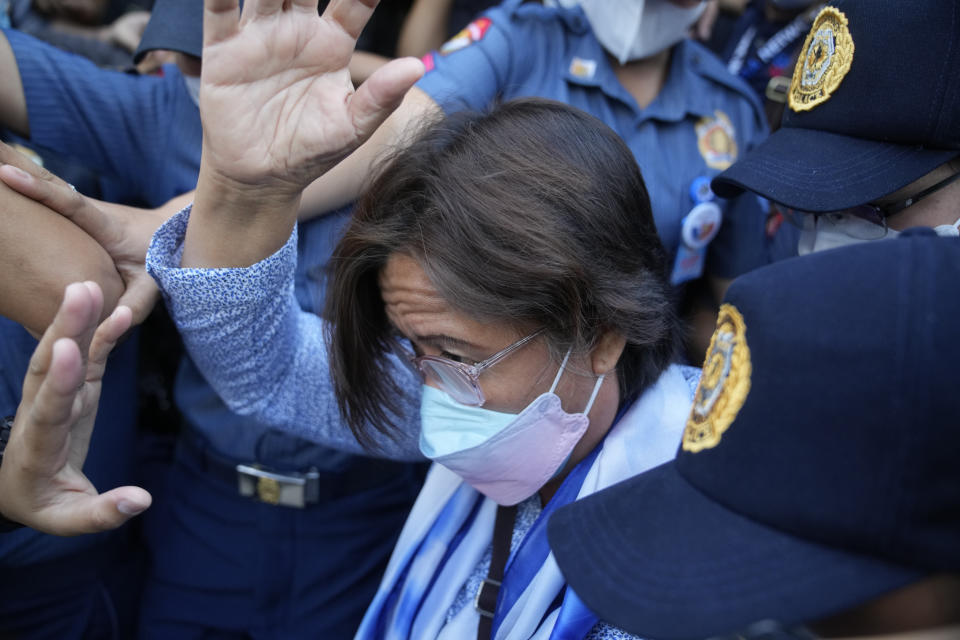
(276, 99)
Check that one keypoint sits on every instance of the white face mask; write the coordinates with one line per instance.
(193, 88)
(830, 232)
(948, 230)
(636, 29)
(507, 457)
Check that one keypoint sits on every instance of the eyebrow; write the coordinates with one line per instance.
(445, 340)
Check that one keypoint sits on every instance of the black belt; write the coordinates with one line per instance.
(282, 487)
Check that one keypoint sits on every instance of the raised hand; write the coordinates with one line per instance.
(41, 479)
(276, 99)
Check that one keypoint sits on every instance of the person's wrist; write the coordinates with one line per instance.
(235, 223)
(245, 201)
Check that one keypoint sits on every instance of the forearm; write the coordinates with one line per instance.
(13, 104)
(344, 182)
(425, 27)
(41, 252)
(261, 353)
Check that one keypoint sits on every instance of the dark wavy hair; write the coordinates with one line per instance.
(535, 215)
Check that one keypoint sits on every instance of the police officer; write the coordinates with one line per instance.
(629, 64)
(870, 141)
(256, 531)
(816, 481)
(763, 45)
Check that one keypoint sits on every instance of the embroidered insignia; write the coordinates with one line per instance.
(428, 63)
(825, 59)
(474, 32)
(716, 140)
(724, 385)
(580, 68)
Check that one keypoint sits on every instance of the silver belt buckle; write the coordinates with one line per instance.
(290, 490)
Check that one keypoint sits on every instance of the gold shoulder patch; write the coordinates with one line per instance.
(724, 385)
(824, 61)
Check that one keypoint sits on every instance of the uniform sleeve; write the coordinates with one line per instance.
(260, 352)
(115, 122)
(741, 244)
(470, 70)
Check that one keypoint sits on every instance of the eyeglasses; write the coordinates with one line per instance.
(874, 214)
(459, 380)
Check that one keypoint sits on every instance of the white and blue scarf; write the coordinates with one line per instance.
(451, 526)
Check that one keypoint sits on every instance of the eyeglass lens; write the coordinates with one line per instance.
(451, 379)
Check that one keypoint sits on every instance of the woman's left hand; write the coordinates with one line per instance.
(42, 484)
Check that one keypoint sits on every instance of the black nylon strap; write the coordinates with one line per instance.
(486, 602)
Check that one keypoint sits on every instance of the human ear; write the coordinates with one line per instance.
(606, 354)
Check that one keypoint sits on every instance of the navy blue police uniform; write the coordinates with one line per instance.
(700, 122)
(228, 556)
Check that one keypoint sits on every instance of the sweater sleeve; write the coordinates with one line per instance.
(261, 353)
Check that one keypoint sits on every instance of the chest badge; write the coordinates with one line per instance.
(582, 68)
(473, 32)
(824, 61)
(716, 140)
(724, 385)
(697, 229)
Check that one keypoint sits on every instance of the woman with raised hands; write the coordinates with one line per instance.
(498, 304)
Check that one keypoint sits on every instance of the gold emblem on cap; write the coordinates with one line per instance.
(724, 384)
(824, 61)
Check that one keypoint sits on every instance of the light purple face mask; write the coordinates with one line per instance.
(506, 457)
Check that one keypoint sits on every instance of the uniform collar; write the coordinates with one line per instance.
(684, 93)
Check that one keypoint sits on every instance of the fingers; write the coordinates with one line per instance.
(57, 195)
(78, 513)
(12, 157)
(105, 339)
(382, 93)
(140, 295)
(88, 401)
(76, 319)
(220, 20)
(260, 8)
(351, 15)
(86, 336)
(44, 423)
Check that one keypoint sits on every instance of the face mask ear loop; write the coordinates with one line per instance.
(560, 371)
(596, 387)
(593, 396)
